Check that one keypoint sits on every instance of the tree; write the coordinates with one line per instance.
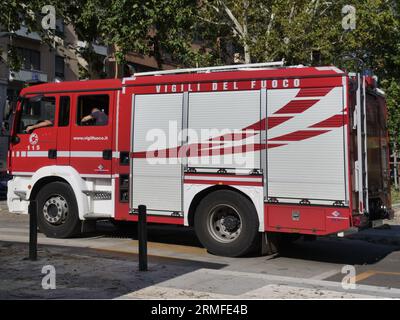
(392, 89)
(232, 21)
(294, 30)
(146, 27)
(13, 14)
(150, 27)
(310, 33)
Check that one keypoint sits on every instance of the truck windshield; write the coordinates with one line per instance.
(34, 112)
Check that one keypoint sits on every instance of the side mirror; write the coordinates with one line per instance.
(15, 139)
(5, 129)
(6, 126)
(7, 110)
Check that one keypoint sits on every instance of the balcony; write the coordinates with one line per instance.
(99, 49)
(23, 32)
(28, 76)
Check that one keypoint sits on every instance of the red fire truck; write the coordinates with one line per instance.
(246, 154)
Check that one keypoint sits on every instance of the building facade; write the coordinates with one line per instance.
(40, 62)
(62, 61)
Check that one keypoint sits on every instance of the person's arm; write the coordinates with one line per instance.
(87, 118)
(45, 123)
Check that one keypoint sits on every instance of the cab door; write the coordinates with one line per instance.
(38, 148)
(91, 143)
(64, 130)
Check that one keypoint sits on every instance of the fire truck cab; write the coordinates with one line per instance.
(237, 152)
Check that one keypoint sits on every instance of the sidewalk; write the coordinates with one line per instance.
(83, 273)
(106, 267)
(88, 273)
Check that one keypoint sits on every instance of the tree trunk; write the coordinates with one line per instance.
(246, 48)
(247, 57)
(117, 69)
(118, 72)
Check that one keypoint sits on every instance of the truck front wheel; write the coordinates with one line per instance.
(58, 211)
(226, 223)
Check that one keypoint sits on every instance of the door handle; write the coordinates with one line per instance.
(52, 154)
(107, 154)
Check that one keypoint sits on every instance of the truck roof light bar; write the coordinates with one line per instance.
(213, 69)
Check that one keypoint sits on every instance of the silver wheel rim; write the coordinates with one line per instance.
(224, 223)
(55, 210)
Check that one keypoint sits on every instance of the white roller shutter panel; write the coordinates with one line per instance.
(158, 186)
(313, 168)
(223, 112)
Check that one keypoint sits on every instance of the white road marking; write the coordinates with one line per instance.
(326, 274)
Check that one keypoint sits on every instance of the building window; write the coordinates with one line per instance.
(59, 67)
(30, 58)
(59, 27)
(93, 110)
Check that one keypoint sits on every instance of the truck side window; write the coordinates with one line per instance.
(35, 111)
(63, 116)
(93, 110)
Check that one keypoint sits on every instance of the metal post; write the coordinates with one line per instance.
(33, 230)
(142, 237)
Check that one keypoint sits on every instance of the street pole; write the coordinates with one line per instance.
(33, 230)
(142, 237)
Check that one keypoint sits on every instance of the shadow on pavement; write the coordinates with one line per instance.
(338, 250)
(83, 273)
(167, 234)
(324, 249)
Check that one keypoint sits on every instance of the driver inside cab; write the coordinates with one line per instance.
(48, 122)
(98, 116)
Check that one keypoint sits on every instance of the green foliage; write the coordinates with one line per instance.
(146, 27)
(294, 30)
(392, 89)
(14, 12)
(209, 32)
(395, 194)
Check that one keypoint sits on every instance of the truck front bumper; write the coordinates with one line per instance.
(16, 195)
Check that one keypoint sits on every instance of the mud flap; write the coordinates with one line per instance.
(88, 226)
(267, 247)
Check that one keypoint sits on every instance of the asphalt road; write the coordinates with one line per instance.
(181, 268)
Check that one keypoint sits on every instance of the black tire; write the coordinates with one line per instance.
(247, 239)
(67, 226)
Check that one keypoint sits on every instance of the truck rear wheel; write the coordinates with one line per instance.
(58, 211)
(226, 223)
